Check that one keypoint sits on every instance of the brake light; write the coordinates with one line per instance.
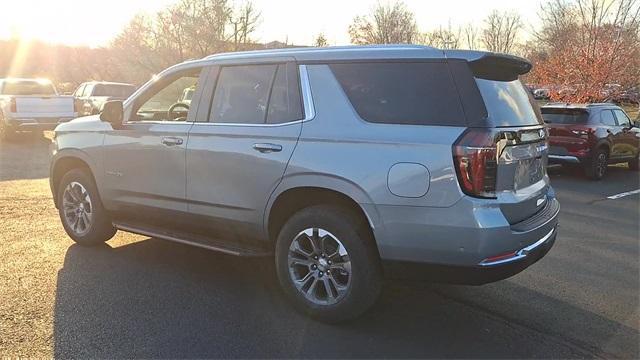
(500, 257)
(13, 106)
(475, 158)
(582, 132)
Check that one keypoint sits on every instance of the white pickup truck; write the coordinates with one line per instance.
(32, 105)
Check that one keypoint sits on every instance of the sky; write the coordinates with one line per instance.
(96, 22)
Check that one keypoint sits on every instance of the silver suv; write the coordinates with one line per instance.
(347, 164)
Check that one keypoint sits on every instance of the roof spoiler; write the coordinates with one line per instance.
(492, 66)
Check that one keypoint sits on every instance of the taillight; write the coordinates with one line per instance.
(582, 132)
(475, 158)
(13, 106)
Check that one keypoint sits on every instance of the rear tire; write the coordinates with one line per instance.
(597, 166)
(338, 278)
(83, 217)
(634, 165)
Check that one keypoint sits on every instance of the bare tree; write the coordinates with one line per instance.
(387, 24)
(559, 20)
(320, 41)
(443, 38)
(189, 29)
(501, 31)
(244, 22)
(470, 37)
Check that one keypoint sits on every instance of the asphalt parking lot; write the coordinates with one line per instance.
(141, 297)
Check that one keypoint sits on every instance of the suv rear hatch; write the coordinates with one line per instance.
(569, 131)
(504, 153)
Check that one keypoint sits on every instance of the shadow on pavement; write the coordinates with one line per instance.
(158, 299)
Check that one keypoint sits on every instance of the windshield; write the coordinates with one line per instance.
(565, 116)
(508, 103)
(28, 88)
(119, 91)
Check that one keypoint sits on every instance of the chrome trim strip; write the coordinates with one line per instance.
(174, 239)
(522, 253)
(309, 108)
(567, 158)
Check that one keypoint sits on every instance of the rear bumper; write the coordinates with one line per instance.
(480, 274)
(575, 151)
(463, 243)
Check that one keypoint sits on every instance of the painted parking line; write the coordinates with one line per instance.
(618, 196)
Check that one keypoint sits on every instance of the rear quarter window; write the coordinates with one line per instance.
(418, 93)
(508, 103)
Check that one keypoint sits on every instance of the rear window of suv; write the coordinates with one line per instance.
(565, 116)
(419, 93)
(508, 103)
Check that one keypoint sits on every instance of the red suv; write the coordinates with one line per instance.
(591, 135)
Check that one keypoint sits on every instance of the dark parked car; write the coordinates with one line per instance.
(592, 136)
(90, 96)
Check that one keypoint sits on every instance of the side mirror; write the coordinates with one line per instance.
(113, 113)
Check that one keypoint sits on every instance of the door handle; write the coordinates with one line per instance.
(267, 148)
(172, 141)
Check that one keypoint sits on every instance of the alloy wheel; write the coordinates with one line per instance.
(319, 266)
(77, 208)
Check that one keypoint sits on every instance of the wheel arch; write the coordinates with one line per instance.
(297, 193)
(63, 162)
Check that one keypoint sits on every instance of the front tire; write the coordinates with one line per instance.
(597, 167)
(6, 132)
(327, 263)
(83, 217)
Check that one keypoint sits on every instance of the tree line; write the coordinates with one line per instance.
(580, 45)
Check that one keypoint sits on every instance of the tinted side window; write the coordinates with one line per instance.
(623, 119)
(285, 104)
(242, 94)
(606, 118)
(402, 93)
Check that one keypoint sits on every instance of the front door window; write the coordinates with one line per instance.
(165, 101)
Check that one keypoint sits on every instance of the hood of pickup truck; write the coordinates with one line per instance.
(86, 123)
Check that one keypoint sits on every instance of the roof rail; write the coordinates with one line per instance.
(600, 104)
(557, 103)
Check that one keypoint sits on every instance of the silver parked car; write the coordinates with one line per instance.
(347, 164)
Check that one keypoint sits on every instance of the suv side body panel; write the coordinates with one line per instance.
(340, 151)
(229, 177)
(432, 222)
